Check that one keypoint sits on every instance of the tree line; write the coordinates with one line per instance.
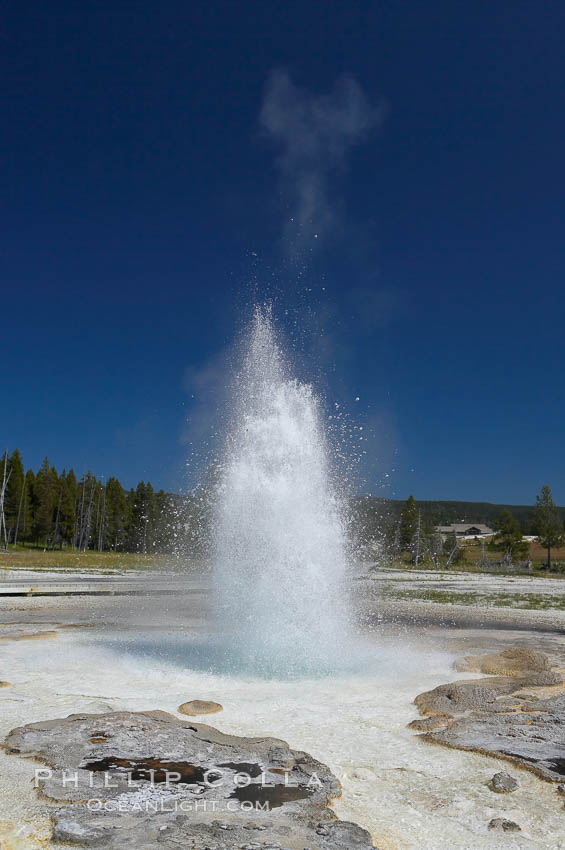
(56, 510)
(410, 529)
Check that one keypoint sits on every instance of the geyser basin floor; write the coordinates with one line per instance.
(408, 793)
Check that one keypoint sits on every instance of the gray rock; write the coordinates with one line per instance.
(504, 783)
(552, 705)
(545, 679)
(504, 825)
(458, 697)
(429, 724)
(533, 741)
(514, 661)
(499, 716)
(160, 781)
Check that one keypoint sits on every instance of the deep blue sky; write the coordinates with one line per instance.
(142, 206)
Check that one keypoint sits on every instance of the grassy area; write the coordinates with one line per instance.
(471, 563)
(525, 601)
(68, 560)
(538, 555)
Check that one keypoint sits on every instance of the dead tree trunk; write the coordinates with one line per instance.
(5, 479)
(22, 497)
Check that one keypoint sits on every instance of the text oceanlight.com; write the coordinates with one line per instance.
(174, 805)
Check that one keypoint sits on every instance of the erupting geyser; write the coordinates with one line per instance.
(280, 542)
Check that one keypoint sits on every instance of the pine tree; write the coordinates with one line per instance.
(508, 538)
(547, 523)
(417, 542)
(149, 519)
(116, 515)
(98, 531)
(101, 519)
(142, 515)
(85, 508)
(46, 493)
(67, 506)
(131, 530)
(408, 523)
(29, 507)
(14, 493)
(165, 531)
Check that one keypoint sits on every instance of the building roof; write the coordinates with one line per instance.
(466, 527)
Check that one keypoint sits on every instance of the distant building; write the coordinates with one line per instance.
(466, 529)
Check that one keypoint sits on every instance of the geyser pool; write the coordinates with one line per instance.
(279, 534)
